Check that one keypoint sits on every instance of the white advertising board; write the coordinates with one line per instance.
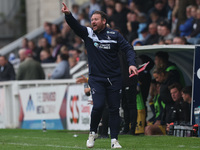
(42, 103)
(78, 109)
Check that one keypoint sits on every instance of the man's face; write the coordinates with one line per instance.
(175, 94)
(186, 97)
(2, 61)
(97, 23)
(159, 77)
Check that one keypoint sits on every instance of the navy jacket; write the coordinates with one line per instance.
(102, 49)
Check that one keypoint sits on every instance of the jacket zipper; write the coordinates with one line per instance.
(109, 81)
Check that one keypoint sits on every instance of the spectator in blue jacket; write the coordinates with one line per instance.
(62, 69)
(186, 28)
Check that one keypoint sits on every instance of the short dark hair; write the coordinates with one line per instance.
(175, 85)
(163, 55)
(64, 56)
(4, 57)
(187, 90)
(159, 70)
(103, 15)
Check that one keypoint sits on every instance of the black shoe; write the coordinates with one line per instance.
(124, 133)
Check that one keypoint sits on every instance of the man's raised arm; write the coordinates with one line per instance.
(73, 23)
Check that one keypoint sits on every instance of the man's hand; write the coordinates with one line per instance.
(65, 10)
(82, 79)
(133, 70)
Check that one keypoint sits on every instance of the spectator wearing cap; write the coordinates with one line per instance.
(30, 69)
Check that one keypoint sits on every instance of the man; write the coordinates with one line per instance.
(162, 61)
(7, 71)
(21, 54)
(187, 97)
(153, 37)
(30, 69)
(102, 46)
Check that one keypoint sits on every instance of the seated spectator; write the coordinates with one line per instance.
(165, 81)
(137, 43)
(119, 17)
(132, 26)
(24, 43)
(110, 13)
(158, 107)
(78, 43)
(7, 71)
(48, 31)
(57, 43)
(43, 44)
(62, 69)
(72, 62)
(13, 59)
(187, 97)
(178, 111)
(22, 54)
(165, 31)
(186, 28)
(75, 54)
(153, 35)
(55, 30)
(193, 38)
(64, 50)
(159, 7)
(155, 17)
(45, 56)
(35, 50)
(67, 34)
(179, 41)
(94, 6)
(142, 19)
(187, 94)
(30, 69)
(75, 11)
(82, 19)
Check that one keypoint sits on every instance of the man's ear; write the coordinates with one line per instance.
(104, 21)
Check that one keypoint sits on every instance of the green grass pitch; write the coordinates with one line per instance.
(20, 139)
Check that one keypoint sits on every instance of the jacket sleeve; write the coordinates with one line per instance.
(75, 26)
(127, 49)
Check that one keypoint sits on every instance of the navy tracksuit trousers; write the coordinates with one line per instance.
(106, 89)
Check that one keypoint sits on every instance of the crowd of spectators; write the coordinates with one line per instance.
(142, 22)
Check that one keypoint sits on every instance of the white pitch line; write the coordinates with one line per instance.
(26, 144)
(54, 146)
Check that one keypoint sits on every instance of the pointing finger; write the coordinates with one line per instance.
(64, 5)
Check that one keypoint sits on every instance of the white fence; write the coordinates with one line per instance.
(9, 91)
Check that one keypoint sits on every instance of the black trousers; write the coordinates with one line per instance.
(106, 89)
(130, 108)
